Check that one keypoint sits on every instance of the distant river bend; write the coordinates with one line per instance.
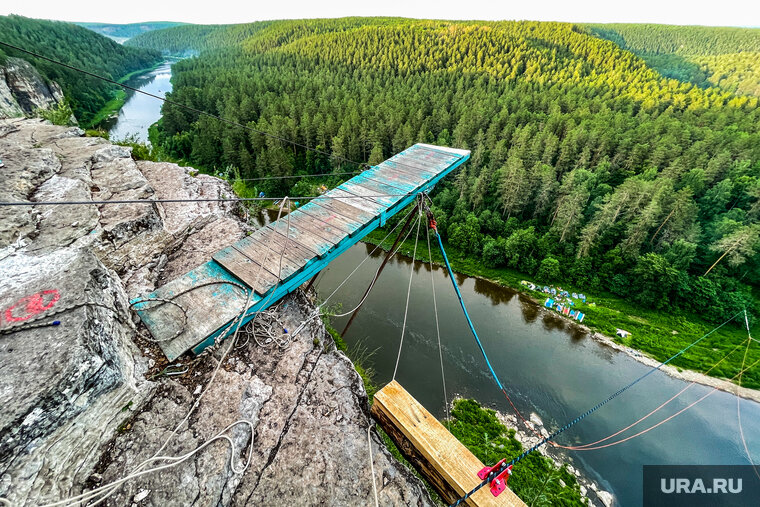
(141, 111)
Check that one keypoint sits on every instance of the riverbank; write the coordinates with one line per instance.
(114, 105)
(588, 488)
(648, 328)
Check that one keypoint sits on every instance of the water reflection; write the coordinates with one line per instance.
(140, 111)
(552, 322)
(530, 311)
(550, 366)
(265, 216)
(494, 292)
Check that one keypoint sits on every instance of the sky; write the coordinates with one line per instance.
(682, 12)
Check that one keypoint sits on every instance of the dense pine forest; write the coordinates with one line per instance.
(706, 56)
(587, 165)
(78, 47)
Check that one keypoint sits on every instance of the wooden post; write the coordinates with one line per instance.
(441, 459)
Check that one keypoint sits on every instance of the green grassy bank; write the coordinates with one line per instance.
(657, 334)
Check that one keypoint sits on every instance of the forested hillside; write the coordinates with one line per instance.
(587, 166)
(706, 56)
(129, 30)
(75, 46)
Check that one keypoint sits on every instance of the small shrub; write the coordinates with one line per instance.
(59, 115)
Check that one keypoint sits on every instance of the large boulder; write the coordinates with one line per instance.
(23, 91)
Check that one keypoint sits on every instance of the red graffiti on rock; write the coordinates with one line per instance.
(29, 306)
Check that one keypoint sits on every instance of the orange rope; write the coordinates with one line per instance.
(664, 420)
(679, 393)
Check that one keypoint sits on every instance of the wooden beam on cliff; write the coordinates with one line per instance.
(275, 260)
(441, 459)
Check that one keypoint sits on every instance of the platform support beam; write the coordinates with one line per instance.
(388, 255)
(436, 454)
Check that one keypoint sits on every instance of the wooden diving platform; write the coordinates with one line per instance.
(436, 454)
(210, 296)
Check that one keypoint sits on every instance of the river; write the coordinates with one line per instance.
(140, 111)
(547, 365)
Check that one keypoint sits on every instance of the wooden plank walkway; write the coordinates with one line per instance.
(278, 258)
(442, 459)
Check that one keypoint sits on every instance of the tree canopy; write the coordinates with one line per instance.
(586, 165)
(78, 47)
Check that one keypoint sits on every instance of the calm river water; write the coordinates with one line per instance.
(551, 368)
(140, 111)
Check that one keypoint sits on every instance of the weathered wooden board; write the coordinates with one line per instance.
(276, 259)
(423, 164)
(314, 243)
(278, 242)
(446, 464)
(340, 195)
(378, 196)
(429, 152)
(391, 172)
(330, 217)
(222, 300)
(248, 270)
(346, 209)
(309, 224)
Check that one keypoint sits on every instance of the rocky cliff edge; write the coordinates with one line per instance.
(87, 400)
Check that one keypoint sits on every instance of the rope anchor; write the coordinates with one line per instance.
(499, 483)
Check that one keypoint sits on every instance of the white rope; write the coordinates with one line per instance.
(318, 309)
(408, 293)
(739, 399)
(374, 279)
(371, 460)
(111, 488)
(252, 324)
(437, 327)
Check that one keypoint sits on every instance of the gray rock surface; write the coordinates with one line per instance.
(23, 90)
(84, 402)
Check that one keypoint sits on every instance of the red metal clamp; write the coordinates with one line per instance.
(499, 483)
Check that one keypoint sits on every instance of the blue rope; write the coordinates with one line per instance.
(464, 309)
(574, 421)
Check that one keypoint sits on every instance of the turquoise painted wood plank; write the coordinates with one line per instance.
(388, 173)
(330, 217)
(394, 195)
(376, 195)
(413, 169)
(263, 236)
(221, 299)
(340, 195)
(318, 245)
(316, 234)
(387, 182)
(255, 275)
(278, 261)
(309, 224)
(344, 209)
(430, 150)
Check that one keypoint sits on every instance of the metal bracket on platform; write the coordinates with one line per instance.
(499, 484)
